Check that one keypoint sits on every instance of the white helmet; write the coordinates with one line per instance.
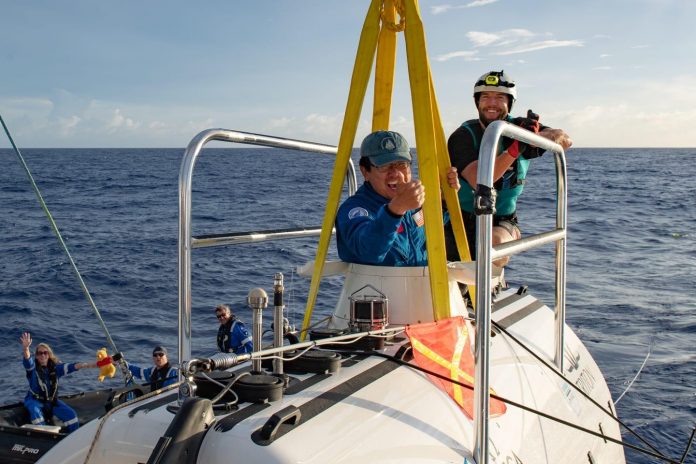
(496, 81)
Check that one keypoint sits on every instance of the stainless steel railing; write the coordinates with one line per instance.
(187, 242)
(485, 254)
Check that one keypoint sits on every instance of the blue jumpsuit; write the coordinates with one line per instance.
(42, 396)
(158, 378)
(233, 337)
(368, 233)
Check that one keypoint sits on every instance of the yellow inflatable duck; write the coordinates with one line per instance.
(106, 368)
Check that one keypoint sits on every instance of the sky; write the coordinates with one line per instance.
(154, 73)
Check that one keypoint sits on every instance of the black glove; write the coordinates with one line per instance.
(531, 122)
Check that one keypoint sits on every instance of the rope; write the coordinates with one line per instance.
(637, 373)
(124, 369)
(321, 321)
(575, 387)
(657, 454)
(688, 445)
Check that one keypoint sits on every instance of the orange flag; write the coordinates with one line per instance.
(443, 347)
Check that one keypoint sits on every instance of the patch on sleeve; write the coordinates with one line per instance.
(418, 218)
(357, 212)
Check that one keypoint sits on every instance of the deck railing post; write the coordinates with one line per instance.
(485, 255)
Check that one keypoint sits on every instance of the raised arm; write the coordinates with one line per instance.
(25, 339)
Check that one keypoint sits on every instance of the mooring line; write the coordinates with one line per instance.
(645, 361)
(609, 413)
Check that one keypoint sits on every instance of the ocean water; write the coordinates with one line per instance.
(631, 260)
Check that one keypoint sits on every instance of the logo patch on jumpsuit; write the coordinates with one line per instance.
(357, 212)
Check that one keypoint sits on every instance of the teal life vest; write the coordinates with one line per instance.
(508, 187)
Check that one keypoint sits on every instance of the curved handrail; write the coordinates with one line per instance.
(485, 253)
(187, 242)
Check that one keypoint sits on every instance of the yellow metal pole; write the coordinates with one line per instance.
(423, 116)
(358, 87)
(451, 198)
(384, 69)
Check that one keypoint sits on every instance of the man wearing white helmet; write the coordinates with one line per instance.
(494, 94)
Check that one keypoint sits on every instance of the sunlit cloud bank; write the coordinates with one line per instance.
(653, 114)
(72, 121)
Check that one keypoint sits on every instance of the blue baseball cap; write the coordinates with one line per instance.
(384, 147)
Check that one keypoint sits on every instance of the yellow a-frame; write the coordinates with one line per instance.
(379, 35)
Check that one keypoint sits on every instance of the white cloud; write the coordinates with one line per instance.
(507, 36)
(531, 47)
(281, 122)
(467, 55)
(320, 125)
(481, 39)
(404, 126)
(157, 125)
(604, 55)
(119, 121)
(67, 126)
(511, 42)
(603, 68)
(313, 126)
(476, 3)
(438, 9)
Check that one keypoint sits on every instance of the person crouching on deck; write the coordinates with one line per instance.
(382, 224)
(43, 371)
(160, 375)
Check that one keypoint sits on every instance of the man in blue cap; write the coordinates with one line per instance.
(382, 224)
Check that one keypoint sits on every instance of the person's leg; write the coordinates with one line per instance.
(505, 231)
(35, 408)
(67, 415)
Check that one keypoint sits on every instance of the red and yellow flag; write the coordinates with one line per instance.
(443, 347)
